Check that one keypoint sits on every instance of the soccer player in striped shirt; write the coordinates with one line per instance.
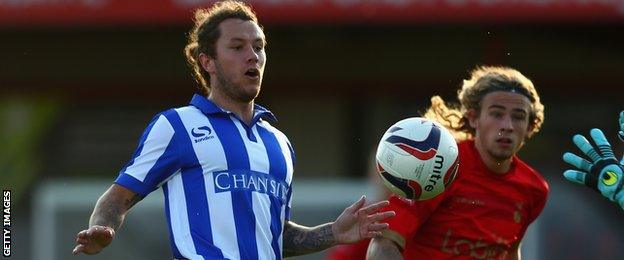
(226, 173)
(495, 195)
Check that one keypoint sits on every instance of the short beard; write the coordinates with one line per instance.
(229, 88)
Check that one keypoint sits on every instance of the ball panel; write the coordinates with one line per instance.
(393, 183)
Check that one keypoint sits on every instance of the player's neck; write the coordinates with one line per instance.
(244, 110)
(495, 165)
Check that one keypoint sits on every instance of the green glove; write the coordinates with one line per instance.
(604, 173)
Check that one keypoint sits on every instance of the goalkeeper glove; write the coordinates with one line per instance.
(604, 173)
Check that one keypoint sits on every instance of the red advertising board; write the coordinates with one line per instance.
(20, 13)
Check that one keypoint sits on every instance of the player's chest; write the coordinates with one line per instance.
(497, 210)
(233, 150)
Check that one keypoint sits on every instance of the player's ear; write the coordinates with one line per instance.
(473, 116)
(207, 63)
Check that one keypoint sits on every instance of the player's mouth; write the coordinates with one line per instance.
(253, 74)
(504, 141)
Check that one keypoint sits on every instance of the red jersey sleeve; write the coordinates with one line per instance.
(410, 215)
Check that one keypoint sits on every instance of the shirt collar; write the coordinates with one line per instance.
(208, 107)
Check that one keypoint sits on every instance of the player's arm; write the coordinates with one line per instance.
(107, 216)
(383, 248)
(354, 224)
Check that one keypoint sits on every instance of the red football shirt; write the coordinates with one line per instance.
(482, 214)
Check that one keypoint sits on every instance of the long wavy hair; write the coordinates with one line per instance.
(484, 80)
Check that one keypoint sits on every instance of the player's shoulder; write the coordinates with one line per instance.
(184, 110)
(468, 155)
(536, 179)
(278, 133)
(168, 118)
(184, 113)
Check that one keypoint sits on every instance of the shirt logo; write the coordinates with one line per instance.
(202, 133)
(245, 180)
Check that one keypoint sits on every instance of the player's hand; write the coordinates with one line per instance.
(621, 132)
(603, 174)
(93, 240)
(358, 222)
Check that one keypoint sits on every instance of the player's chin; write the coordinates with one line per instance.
(504, 155)
(249, 94)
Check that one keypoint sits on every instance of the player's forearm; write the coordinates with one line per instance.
(383, 248)
(112, 207)
(300, 240)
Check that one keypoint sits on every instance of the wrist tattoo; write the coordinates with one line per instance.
(110, 211)
(300, 240)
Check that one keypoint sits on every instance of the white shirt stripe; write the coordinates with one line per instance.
(154, 146)
(179, 222)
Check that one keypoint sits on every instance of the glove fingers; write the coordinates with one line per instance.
(601, 142)
(575, 176)
(582, 143)
(577, 162)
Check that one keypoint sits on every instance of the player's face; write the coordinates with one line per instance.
(502, 124)
(240, 60)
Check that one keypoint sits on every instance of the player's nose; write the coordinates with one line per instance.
(506, 124)
(251, 55)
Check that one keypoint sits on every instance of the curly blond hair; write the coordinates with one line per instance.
(484, 80)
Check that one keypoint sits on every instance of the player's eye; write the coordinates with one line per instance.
(519, 117)
(237, 47)
(496, 114)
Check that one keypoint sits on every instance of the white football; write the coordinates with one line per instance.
(417, 158)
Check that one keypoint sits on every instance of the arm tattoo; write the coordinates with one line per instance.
(110, 210)
(299, 240)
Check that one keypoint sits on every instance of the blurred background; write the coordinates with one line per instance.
(79, 81)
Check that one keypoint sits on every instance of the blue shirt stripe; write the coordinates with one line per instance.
(277, 168)
(237, 159)
(195, 192)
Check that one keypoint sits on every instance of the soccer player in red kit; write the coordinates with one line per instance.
(495, 196)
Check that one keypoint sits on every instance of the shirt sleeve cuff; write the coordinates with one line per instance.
(133, 184)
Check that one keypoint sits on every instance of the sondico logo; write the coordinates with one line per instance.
(202, 133)
(609, 178)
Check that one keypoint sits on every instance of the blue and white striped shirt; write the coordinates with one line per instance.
(227, 185)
